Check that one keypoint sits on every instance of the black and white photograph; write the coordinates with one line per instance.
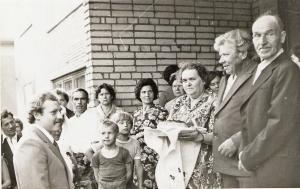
(150, 94)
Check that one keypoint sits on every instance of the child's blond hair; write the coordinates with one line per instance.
(122, 116)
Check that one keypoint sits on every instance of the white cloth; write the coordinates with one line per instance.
(229, 84)
(12, 142)
(177, 158)
(261, 66)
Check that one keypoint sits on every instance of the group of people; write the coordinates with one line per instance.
(243, 132)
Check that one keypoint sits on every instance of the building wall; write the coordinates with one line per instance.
(8, 77)
(134, 39)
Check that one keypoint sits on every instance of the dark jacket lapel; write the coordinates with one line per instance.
(265, 74)
(249, 67)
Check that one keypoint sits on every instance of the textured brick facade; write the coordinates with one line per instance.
(133, 39)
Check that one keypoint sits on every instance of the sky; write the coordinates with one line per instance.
(17, 15)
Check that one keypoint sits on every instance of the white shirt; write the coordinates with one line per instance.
(45, 132)
(80, 132)
(261, 66)
(229, 84)
(12, 142)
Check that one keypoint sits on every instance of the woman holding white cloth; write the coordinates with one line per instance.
(196, 108)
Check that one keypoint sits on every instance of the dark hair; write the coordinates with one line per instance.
(81, 90)
(36, 106)
(173, 77)
(199, 68)
(141, 84)
(295, 50)
(5, 114)
(64, 94)
(211, 76)
(20, 123)
(169, 70)
(109, 88)
(109, 123)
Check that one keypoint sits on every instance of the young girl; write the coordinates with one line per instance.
(124, 121)
(112, 164)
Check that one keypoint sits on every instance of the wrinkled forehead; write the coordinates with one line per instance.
(265, 23)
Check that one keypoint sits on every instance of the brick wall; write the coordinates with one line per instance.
(133, 39)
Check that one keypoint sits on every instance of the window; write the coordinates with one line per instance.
(70, 81)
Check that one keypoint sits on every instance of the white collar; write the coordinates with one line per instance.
(15, 137)
(45, 132)
(269, 60)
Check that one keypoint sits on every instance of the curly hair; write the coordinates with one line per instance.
(109, 88)
(241, 39)
(36, 106)
(202, 72)
(145, 82)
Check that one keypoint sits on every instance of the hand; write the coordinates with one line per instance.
(188, 135)
(227, 148)
(240, 164)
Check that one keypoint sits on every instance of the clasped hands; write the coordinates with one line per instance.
(196, 134)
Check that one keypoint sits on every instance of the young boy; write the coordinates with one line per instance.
(124, 121)
(112, 164)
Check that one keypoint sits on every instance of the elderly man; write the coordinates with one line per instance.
(9, 141)
(233, 49)
(37, 160)
(270, 112)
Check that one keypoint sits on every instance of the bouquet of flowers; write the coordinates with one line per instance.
(83, 175)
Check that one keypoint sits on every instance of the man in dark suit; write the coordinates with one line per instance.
(37, 159)
(270, 112)
(63, 99)
(233, 50)
(9, 141)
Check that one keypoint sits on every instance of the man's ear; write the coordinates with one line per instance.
(243, 55)
(282, 36)
(37, 115)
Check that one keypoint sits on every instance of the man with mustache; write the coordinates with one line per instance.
(37, 160)
(270, 112)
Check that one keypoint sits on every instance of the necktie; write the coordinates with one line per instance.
(56, 145)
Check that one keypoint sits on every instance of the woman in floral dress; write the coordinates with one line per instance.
(196, 108)
(147, 116)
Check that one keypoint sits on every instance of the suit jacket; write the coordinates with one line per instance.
(228, 119)
(8, 156)
(271, 126)
(39, 164)
(69, 113)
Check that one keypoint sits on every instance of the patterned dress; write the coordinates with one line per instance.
(149, 157)
(202, 111)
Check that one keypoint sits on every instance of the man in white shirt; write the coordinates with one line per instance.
(81, 129)
(233, 48)
(9, 141)
(37, 160)
(270, 112)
